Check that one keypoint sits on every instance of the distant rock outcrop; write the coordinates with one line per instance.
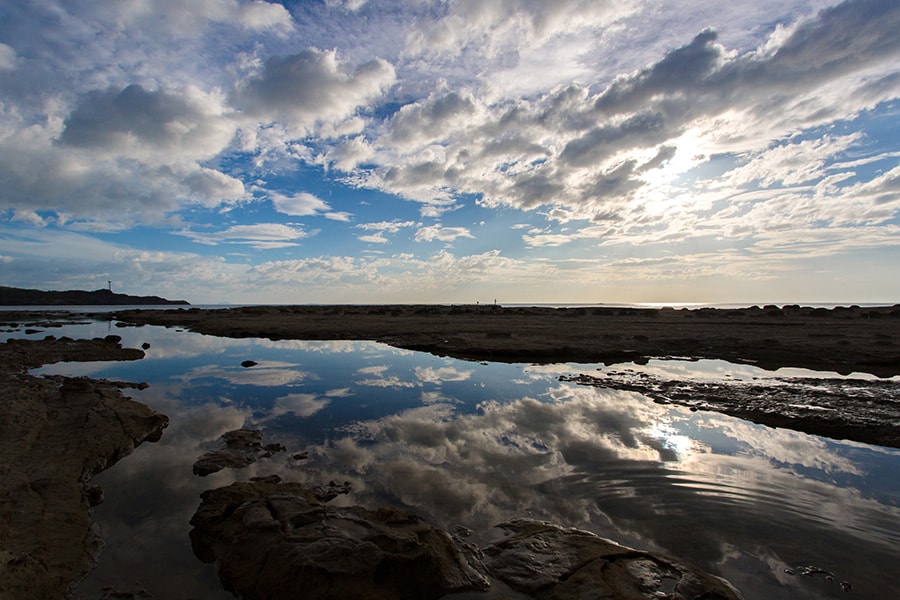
(10, 296)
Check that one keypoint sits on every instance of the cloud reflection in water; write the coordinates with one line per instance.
(472, 444)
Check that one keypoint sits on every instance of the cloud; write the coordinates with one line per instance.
(7, 57)
(350, 5)
(440, 375)
(301, 204)
(261, 236)
(382, 228)
(182, 18)
(603, 460)
(121, 155)
(151, 125)
(311, 87)
(442, 234)
(302, 405)
(265, 373)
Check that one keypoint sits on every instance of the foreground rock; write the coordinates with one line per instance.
(55, 434)
(278, 540)
(545, 561)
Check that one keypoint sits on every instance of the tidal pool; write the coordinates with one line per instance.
(473, 444)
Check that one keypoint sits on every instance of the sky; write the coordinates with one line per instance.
(452, 151)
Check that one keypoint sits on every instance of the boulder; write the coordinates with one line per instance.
(278, 540)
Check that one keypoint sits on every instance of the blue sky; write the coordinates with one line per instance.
(224, 151)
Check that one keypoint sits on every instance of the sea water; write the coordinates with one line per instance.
(475, 444)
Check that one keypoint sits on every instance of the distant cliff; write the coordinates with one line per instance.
(21, 297)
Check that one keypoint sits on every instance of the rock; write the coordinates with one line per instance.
(546, 561)
(55, 434)
(249, 363)
(280, 541)
(242, 448)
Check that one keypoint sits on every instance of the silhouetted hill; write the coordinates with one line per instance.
(10, 296)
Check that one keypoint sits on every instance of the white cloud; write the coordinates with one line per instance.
(261, 236)
(7, 57)
(440, 375)
(375, 238)
(302, 405)
(260, 15)
(301, 204)
(443, 234)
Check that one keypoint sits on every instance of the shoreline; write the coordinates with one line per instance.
(843, 339)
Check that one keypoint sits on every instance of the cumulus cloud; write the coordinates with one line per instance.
(381, 230)
(299, 204)
(152, 125)
(608, 155)
(182, 18)
(442, 234)
(311, 87)
(7, 57)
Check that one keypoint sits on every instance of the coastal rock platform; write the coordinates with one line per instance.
(55, 434)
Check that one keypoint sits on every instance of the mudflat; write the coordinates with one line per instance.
(843, 339)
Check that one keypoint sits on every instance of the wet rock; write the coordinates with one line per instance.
(249, 363)
(242, 448)
(280, 541)
(856, 409)
(55, 434)
(545, 561)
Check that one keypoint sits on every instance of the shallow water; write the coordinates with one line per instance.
(474, 444)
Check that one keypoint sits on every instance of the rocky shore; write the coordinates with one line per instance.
(56, 433)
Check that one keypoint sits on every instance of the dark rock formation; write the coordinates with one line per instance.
(26, 297)
(242, 448)
(545, 561)
(279, 541)
(55, 434)
(852, 409)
